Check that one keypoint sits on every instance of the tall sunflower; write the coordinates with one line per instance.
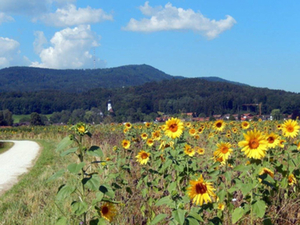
(290, 128)
(142, 157)
(173, 128)
(108, 211)
(223, 150)
(200, 191)
(255, 145)
(219, 125)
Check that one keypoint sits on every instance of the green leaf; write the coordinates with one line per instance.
(75, 168)
(246, 188)
(64, 192)
(179, 215)
(95, 151)
(158, 218)
(69, 151)
(92, 183)
(196, 216)
(107, 190)
(237, 214)
(259, 208)
(164, 201)
(79, 208)
(63, 144)
(241, 168)
(99, 197)
(192, 221)
(56, 175)
(62, 221)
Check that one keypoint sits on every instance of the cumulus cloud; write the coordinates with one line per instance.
(70, 16)
(10, 53)
(5, 18)
(69, 48)
(39, 42)
(172, 18)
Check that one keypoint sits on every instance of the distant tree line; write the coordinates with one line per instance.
(141, 103)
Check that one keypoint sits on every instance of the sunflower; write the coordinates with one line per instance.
(142, 157)
(234, 130)
(255, 145)
(267, 172)
(290, 128)
(281, 143)
(298, 146)
(272, 140)
(200, 191)
(192, 131)
(292, 180)
(245, 125)
(199, 150)
(219, 125)
(197, 136)
(223, 151)
(126, 144)
(128, 125)
(188, 124)
(173, 128)
(156, 135)
(221, 206)
(81, 128)
(201, 129)
(147, 124)
(144, 136)
(189, 150)
(150, 142)
(108, 211)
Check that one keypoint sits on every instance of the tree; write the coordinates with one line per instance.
(36, 119)
(276, 114)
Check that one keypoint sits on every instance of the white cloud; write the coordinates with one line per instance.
(5, 18)
(69, 49)
(70, 16)
(10, 53)
(172, 18)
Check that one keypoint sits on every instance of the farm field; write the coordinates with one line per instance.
(217, 172)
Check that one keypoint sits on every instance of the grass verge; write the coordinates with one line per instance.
(32, 200)
(4, 146)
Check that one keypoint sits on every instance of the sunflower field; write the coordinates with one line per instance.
(221, 172)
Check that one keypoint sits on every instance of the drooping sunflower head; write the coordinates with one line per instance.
(219, 125)
(267, 172)
(290, 128)
(126, 144)
(255, 145)
(201, 191)
(291, 179)
(108, 211)
(142, 157)
(173, 128)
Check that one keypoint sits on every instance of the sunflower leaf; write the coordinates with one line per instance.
(164, 201)
(237, 214)
(75, 168)
(63, 144)
(179, 215)
(259, 208)
(158, 218)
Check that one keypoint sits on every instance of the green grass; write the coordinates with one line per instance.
(17, 118)
(32, 199)
(4, 146)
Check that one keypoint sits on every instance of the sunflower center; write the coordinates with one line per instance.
(173, 127)
(253, 144)
(219, 125)
(144, 156)
(224, 150)
(271, 139)
(201, 188)
(104, 210)
(290, 129)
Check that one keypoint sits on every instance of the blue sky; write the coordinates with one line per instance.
(251, 41)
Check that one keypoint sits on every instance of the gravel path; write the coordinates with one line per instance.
(16, 161)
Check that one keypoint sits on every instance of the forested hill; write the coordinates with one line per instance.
(168, 96)
(24, 79)
(36, 79)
